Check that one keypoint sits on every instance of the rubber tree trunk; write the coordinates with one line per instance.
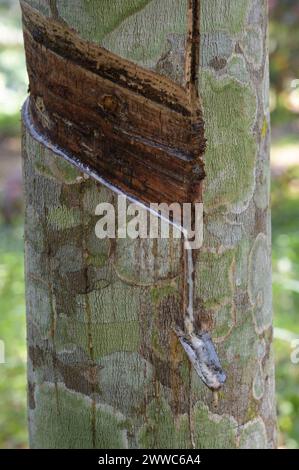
(105, 369)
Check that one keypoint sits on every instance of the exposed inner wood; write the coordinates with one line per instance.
(139, 130)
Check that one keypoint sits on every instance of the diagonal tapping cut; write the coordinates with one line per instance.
(132, 129)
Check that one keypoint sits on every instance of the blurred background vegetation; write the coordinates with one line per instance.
(284, 69)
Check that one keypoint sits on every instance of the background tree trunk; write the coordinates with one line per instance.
(105, 369)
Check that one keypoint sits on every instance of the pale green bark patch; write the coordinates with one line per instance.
(236, 68)
(213, 431)
(102, 17)
(163, 429)
(223, 321)
(71, 426)
(113, 302)
(230, 109)
(106, 338)
(214, 283)
(228, 15)
(258, 387)
(148, 44)
(251, 45)
(61, 217)
(253, 435)
(259, 288)
(123, 378)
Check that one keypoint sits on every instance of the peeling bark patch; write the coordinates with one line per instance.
(137, 129)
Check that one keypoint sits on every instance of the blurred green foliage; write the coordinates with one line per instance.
(284, 59)
(13, 77)
(13, 432)
(284, 66)
(284, 44)
(285, 228)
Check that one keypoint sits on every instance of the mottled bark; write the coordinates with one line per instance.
(105, 369)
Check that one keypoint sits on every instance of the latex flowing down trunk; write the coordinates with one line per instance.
(105, 368)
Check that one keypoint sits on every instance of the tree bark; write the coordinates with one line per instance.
(105, 369)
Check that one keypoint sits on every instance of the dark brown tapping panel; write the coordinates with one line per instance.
(138, 130)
